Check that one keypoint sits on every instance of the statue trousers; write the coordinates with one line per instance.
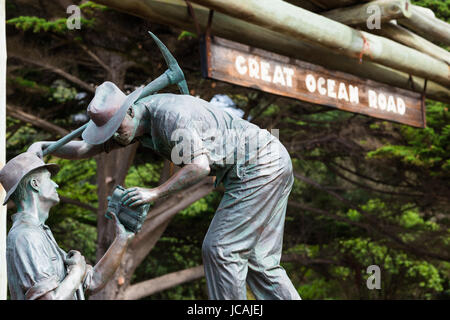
(244, 241)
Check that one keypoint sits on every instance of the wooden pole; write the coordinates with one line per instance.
(410, 39)
(430, 28)
(359, 14)
(332, 4)
(174, 13)
(303, 25)
(305, 5)
(426, 11)
(390, 10)
(3, 282)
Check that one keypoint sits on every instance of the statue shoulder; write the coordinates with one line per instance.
(24, 235)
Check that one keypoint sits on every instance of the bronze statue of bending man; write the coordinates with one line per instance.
(244, 240)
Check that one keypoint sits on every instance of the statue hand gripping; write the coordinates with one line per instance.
(137, 196)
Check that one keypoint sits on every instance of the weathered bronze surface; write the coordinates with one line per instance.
(131, 218)
(244, 241)
(37, 267)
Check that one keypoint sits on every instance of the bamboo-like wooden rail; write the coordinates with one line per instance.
(174, 13)
(307, 26)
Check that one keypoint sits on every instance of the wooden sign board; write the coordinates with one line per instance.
(256, 68)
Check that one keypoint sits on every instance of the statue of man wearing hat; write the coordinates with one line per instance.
(244, 240)
(37, 267)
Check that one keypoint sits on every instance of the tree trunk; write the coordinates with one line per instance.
(313, 28)
(157, 221)
(167, 281)
(111, 171)
(175, 14)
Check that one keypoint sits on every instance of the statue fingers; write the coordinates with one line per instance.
(113, 216)
(128, 194)
(131, 200)
(128, 191)
(136, 203)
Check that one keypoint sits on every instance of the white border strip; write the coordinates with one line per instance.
(3, 278)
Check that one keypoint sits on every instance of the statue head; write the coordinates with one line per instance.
(36, 184)
(107, 111)
(27, 177)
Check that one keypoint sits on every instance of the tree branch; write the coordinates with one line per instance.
(368, 187)
(366, 177)
(95, 57)
(163, 213)
(78, 204)
(16, 112)
(377, 229)
(54, 69)
(172, 205)
(292, 257)
(167, 281)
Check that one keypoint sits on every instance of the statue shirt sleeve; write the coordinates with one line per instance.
(35, 265)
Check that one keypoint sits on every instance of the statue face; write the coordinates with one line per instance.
(47, 188)
(127, 130)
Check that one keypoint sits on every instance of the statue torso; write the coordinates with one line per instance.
(222, 136)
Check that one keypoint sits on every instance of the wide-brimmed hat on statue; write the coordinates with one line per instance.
(16, 168)
(107, 111)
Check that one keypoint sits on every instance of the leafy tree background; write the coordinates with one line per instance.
(367, 191)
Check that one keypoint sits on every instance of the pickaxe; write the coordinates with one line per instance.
(173, 75)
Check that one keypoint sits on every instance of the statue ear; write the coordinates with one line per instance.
(34, 183)
(130, 112)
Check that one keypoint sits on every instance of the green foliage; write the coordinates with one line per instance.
(37, 24)
(62, 92)
(316, 288)
(186, 34)
(58, 26)
(145, 175)
(82, 237)
(76, 180)
(29, 84)
(395, 264)
(441, 8)
(428, 148)
(92, 5)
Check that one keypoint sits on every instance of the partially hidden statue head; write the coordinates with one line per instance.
(26, 171)
(107, 111)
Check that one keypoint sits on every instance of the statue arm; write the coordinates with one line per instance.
(189, 175)
(66, 289)
(108, 264)
(71, 150)
(76, 272)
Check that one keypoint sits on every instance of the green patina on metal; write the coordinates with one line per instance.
(37, 267)
(244, 240)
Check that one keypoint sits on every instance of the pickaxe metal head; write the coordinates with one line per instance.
(174, 73)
